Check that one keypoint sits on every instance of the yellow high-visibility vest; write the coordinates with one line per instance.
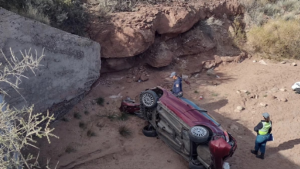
(265, 129)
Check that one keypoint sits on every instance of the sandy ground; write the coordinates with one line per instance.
(109, 150)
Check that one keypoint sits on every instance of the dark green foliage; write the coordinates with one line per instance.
(100, 101)
(124, 131)
(77, 115)
(90, 133)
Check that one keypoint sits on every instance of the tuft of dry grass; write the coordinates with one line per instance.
(276, 39)
(90, 133)
(82, 125)
(70, 149)
(77, 115)
(124, 131)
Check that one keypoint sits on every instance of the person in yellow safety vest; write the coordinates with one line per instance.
(263, 130)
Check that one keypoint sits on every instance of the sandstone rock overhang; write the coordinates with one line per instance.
(127, 34)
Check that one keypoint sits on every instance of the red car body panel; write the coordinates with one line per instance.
(220, 149)
(187, 113)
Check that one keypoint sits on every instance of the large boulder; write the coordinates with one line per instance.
(70, 66)
(159, 55)
(193, 42)
(117, 64)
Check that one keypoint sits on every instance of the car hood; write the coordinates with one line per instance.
(189, 112)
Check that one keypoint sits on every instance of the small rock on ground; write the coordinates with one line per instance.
(234, 127)
(263, 104)
(239, 109)
(294, 64)
(283, 62)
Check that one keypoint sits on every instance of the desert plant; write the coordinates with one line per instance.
(90, 133)
(100, 101)
(65, 119)
(76, 115)
(70, 149)
(276, 39)
(86, 112)
(20, 127)
(111, 117)
(124, 131)
(259, 12)
(82, 125)
(237, 32)
(123, 117)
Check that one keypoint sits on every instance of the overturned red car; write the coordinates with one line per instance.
(188, 129)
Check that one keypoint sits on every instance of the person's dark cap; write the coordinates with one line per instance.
(266, 115)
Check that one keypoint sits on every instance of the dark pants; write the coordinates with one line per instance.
(260, 142)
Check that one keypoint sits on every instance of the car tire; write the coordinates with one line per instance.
(149, 99)
(199, 134)
(149, 131)
(195, 166)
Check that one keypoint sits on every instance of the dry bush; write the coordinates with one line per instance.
(258, 12)
(276, 39)
(19, 128)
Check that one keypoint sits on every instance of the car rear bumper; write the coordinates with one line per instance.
(221, 150)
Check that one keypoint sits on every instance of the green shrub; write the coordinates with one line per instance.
(258, 12)
(100, 101)
(124, 131)
(65, 119)
(276, 39)
(90, 133)
(86, 112)
(77, 115)
(69, 149)
(82, 125)
(123, 117)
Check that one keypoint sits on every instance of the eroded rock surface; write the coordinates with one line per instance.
(128, 34)
(70, 66)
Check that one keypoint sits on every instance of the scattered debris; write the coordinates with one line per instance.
(238, 92)
(115, 96)
(294, 64)
(239, 109)
(274, 89)
(263, 104)
(185, 76)
(104, 82)
(234, 127)
(283, 89)
(245, 91)
(282, 99)
(262, 62)
(211, 72)
(138, 74)
(255, 96)
(283, 62)
(254, 61)
(271, 97)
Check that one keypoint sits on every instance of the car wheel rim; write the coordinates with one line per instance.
(199, 131)
(148, 99)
